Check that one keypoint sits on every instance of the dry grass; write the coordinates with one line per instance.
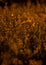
(22, 34)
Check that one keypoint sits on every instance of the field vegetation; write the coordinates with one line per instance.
(23, 34)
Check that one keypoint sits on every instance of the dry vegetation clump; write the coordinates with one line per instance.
(34, 62)
(23, 35)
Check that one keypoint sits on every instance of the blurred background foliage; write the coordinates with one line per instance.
(23, 34)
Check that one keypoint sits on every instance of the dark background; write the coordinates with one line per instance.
(9, 2)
